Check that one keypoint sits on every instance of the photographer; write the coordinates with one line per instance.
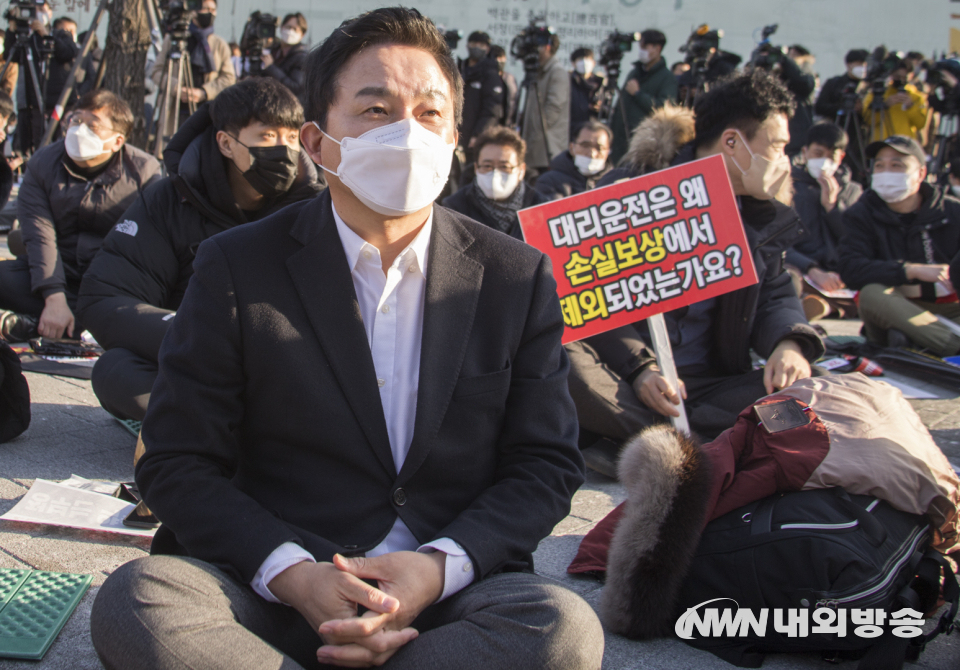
(546, 119)
(72, 194)
(510, 87)
(483, 90)
(498, 191)
(904, 107)
(209, 56)
(901, 250)
(235, 160)
(65, 52)
(649, 85)
(286, 60)
(839, 101)
(584, 89)
(580, 167)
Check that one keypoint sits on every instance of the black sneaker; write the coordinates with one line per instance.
(17, 327)
(602, 457)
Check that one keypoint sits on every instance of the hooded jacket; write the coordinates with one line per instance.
(658, 86)
(877, 241)
(655, 143)
(756, 317)
(138, 279)
(822, 230)
(65, 216)
(563, 178)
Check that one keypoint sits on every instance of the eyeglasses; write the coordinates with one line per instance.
(483, 168)
(95, 126)
(593, 147)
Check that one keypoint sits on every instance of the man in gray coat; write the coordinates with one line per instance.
(546, 120)
(73, 193)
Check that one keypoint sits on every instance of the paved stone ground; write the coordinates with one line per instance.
(71, 434)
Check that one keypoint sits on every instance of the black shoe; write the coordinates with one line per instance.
(898, 339)
(602, 457)
(17, 327)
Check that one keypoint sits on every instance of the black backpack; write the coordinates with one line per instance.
(806, 551)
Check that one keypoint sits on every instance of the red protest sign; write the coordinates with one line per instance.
(649, 245)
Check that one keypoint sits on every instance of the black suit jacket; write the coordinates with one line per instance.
(265, 425)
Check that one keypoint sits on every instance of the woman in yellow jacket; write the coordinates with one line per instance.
(904, 109)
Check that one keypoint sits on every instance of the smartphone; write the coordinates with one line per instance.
(141, 517)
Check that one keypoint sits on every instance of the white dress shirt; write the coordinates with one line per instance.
(391, 305)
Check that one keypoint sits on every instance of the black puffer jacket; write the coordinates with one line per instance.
(65, 217)
(878, 241)
(822, 230)
(139, 277)
(483, 98)
(563, 178)
(757, 317)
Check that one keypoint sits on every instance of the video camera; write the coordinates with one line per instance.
(259, 34)
(177, 15)
(526, 45)
(880, 66)
(24, 12)
(944, 96)
(612, 51)
(766, 55)
(699, 46)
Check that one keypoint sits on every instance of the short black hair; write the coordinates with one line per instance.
(582, 52)
(915, 55)
(856, 56)
(827, 134)
(800, 49)
(260, 99)
(6, 105)
(496, 51)
(593, 126)
(60, 21)
(652, 36)
(121, 118)
(742, 101)
(501, 136)
(479, 36)
(300, 19)
(388, 25)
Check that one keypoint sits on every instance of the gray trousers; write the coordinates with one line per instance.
(166, 612)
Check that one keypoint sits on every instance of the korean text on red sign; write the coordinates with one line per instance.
(640, 247)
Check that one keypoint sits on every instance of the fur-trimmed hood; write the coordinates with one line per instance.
(657, 140)
(668, 482)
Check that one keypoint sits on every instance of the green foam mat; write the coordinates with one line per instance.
(34, 606)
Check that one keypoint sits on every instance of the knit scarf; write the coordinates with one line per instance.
(199, 46)
(503, 214)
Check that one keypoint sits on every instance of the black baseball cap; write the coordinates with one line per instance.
(905, 145)
(652, 36)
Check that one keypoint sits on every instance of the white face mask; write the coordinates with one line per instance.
(396, 169)
(584, 67)
(859, 71)
(764, 177)
(290, 36)
(498, 185)
(588, 165)
(82, 144)
(643, 56)
(894, 186)
(818, 166)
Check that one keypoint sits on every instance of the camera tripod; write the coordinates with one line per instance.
(946, 135)
(847, 119)
(178, 76)
(879, 119)
(531, 66)
(22, 54)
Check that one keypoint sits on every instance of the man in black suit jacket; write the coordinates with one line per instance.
(360, 389)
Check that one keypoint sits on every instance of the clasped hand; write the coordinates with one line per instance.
(327, 595)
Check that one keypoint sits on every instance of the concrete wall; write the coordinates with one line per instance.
(827, 27)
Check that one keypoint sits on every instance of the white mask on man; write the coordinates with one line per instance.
(894, 186)
(396, 169)
(584, 66)
(498, 185)
(643, 55)
(587, 165)
(764, 178)
(82, 144)
(818, 166)
(859, 71)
